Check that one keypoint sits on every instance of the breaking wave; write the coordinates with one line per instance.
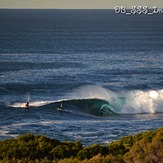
(98, 101)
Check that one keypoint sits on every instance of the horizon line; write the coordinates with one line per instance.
(65, 8)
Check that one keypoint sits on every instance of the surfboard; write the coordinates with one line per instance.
(60, 108)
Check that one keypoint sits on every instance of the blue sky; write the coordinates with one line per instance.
(78, 4)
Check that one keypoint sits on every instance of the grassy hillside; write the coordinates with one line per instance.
(140, 148)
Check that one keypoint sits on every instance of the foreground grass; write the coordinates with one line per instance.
(140, 148)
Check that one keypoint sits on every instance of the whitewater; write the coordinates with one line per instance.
(131, 102)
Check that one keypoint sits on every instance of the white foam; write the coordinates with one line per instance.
(33, 104)
(143, 102)
(135, 101)
(90, 92)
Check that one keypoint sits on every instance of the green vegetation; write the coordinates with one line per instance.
(142, 147)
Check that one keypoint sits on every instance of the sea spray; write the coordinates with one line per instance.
(139, 101)
(90, 92)
(91, 99)
(123, 102)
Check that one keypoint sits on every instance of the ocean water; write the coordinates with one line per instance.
(105, 68)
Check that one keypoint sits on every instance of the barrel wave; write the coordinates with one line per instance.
(97, 107)
(98, 101)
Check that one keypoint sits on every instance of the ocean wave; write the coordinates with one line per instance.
(99, 101)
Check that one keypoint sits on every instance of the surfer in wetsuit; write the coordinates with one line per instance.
(101, 111)
(27, 105)
(61, 107)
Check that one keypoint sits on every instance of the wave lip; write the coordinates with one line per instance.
(98, 101)
(120, 102)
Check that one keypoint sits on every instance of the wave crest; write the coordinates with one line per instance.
(97, 101)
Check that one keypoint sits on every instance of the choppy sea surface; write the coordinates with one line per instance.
(106, 69)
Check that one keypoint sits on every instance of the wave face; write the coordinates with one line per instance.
(97, 107)
(123, 102)
(98, 101)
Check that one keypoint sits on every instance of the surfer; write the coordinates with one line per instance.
(101, 111)
(60, 107)
(27, 105)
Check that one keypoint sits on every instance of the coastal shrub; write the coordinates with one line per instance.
(60, 152)
(122, 146)
(148, 149)
(95, 159)
(104, 159)
(69, 160)
(89, 152)
(142, 147)
(74, 147)
(66, 150)
(27, 146)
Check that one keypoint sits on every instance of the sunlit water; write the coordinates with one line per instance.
(86, 60)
